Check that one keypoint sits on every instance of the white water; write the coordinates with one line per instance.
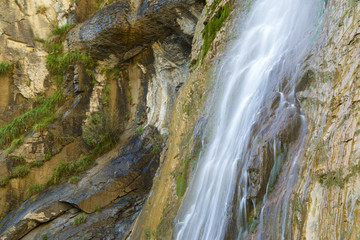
(270, 48)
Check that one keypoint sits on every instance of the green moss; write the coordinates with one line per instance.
(4, 181)
(25, 122)
(20, 171)
(213, 26)
(181, 181)
(35, 188)
(337, 178)
(4, 68)
(139, 130)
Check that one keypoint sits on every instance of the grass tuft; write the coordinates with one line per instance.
(4, 181)
(20, 171)
(79, 219)
(25, 122)
(35, 188)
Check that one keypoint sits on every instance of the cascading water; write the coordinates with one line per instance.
(270, 49)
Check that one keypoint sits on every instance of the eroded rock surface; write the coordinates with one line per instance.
(117, 185)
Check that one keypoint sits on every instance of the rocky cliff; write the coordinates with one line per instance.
(88, 92)
(103, 105)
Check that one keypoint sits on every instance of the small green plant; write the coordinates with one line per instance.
(57, 61)
(44, 123)
(4, 181)
(79, 219)
(47, 156)
(106, 96)
(97, 208)
(61, 31)
(44, 237)
(63, 170)
(139, 130)
(20, 171)
(4, 67)
(14, 144)
(41, 9)
(74, 179)
(38, 163)
(18, 141)
(35, 188)
(101, 127)
(156, 150)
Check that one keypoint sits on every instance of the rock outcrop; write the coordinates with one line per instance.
(140, 67)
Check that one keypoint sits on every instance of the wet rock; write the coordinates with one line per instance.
(289, 124)
(305, 80)
(261, 163)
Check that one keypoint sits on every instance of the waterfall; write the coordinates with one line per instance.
(271, 47)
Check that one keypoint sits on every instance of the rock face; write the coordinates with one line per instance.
(142, 55)
(324, 202)
(127, 27)
(142, 77)
(118, 184)
(328, 190)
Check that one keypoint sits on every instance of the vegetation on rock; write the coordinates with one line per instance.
(35, 188)
(336, 177)
(45, 109)
(79, 219)
(101, 134)
(4, 67)
(20, 171)
(4, 181)
(214, 25)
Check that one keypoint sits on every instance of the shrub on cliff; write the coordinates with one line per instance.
(101, 128)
